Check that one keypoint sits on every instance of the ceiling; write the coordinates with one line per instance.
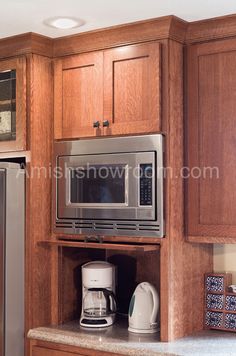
(20, 16)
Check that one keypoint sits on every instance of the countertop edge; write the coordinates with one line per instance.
(48, 335)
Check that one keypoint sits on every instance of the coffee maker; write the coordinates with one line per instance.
(98, 293)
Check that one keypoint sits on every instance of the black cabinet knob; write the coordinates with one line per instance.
(96, 124)
(105, 123)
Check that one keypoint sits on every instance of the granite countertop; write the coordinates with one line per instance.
(117, 339)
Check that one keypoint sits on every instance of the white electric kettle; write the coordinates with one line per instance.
(143, 309)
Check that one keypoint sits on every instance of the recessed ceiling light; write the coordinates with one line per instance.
(64, 22)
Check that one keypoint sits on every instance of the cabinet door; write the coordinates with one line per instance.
(211, 139)
(78, 95)
(41, 351)
(13, 104)
(132, 89)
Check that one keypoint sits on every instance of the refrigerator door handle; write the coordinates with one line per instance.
(2, 258)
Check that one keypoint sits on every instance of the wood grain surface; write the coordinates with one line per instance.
(132, 83)
(211, 29)
(182, 281)
(40, 348)
(26, 43)
(211, 137)
(38, 193)
(78, 95)
(137, 32)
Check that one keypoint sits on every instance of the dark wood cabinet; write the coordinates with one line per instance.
(211, 140)
(13, 104)
(108, 92)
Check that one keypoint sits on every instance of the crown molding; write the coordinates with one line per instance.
(149, 30)
(162, 28)
(211, 29)
(24, 44)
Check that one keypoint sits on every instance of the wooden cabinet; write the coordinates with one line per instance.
(132, 89)
(117, 91)
(78, 95)
(211, 140)
(41, 351)
(13, 104)
(41, 348)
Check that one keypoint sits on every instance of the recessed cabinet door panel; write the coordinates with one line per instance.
(13, 104)
(132, 89)
(78, 95)
(211, 137)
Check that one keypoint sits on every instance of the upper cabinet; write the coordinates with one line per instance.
(132, 89)
(110, 92)
(78, 95)
(211, 141)
(13, 104)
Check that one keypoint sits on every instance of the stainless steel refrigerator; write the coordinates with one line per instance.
(12, 216)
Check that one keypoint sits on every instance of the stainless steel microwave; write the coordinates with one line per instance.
(110, 186)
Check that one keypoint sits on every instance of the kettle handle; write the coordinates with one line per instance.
(155, 298)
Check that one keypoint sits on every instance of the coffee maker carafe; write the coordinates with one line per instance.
(99, 303)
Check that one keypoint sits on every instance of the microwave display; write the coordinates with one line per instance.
(146, 173)
(98, 184)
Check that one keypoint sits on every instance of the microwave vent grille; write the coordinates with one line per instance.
(72, 226)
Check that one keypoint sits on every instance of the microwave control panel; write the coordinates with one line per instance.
(145, 184)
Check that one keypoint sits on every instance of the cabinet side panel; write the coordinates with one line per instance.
(187, 262)
(38, 185)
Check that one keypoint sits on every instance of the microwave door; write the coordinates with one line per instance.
(97, 186)
(100, 193)
(103, 187)
(94, 186)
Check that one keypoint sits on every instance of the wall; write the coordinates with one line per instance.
(225, 259)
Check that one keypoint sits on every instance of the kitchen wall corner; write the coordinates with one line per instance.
(225, 259)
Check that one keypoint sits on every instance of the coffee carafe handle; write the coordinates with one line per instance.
(109, 295)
